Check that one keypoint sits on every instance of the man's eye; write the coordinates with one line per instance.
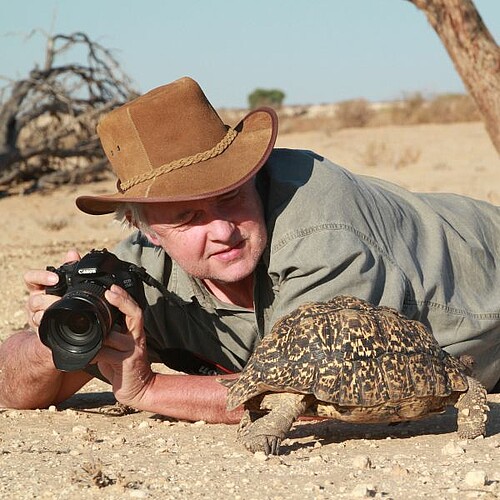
(182, 219)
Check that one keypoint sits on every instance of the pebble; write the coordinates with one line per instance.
(364, 490)
(362, 462)
(138, 494)
(476, 478)
(80, 429)
(399, 471)
(452, 449)
(260, 456)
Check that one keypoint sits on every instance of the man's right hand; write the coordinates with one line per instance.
(36, 281)
(28, 377)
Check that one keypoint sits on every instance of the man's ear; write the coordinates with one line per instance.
(152, 238)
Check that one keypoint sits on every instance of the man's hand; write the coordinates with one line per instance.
(123, 359)
(28, 377)
(36, 281)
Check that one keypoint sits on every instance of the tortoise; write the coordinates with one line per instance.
(349, 360)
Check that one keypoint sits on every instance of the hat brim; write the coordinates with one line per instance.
(242, 159)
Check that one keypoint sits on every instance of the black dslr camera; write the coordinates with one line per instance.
(75, 327)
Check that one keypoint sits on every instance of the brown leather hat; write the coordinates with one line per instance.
(171, 145)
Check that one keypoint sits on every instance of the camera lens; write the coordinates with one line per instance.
(78, 323)
(76, 326)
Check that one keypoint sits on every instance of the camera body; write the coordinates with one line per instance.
(75, 327)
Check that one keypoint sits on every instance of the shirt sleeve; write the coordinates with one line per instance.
(324, 262)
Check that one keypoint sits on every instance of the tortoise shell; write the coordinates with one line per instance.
(349, 353)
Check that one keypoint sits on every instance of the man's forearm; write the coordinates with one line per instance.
(28, 378)
(189, 397)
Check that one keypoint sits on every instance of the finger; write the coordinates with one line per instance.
(119, 341)
(37, 279)
(36, 306)
(118, 297)
(109, 355)
(72, 255)
(40, 302)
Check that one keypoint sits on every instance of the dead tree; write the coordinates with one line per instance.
(474, 53)
(48, 121)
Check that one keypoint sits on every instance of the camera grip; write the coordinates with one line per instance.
(61, 286)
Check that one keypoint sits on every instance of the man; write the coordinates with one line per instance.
(241, 234)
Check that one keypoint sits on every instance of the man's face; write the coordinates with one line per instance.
(220, 239)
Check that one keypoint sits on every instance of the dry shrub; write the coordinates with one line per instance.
(445, 108)
(450, 108)
(408, 111)
(301, 124)
(354, 113)
(411, 110)
(378, 153)
(54, 223)
(408, 156)
(375, 153)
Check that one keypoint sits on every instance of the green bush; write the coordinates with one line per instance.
(266, 97)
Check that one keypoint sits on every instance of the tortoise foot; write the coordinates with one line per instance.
(473, 410)
(261, 436)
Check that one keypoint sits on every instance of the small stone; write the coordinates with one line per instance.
(144, 425)
(452, 449)
(118, 441)
(260, 456)
(476, 478)
(362, 462)
(52, 408)
(199, 422)
(398, 471)
(138, 494)
(364, 490)
(80, 429)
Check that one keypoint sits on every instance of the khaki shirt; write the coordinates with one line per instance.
(434, 257)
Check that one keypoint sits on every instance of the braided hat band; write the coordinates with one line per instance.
(220, 147)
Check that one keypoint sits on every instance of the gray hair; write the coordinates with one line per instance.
(132, 215)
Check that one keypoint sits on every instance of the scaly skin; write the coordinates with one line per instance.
(472, 409)
(265, 433)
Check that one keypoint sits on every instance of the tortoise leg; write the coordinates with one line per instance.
(472, 409)
(266, 432)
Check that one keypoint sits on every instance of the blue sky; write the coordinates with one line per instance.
(316, 51)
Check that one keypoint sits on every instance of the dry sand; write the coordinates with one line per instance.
(76, 451)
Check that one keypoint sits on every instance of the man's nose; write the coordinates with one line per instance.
(221, 229)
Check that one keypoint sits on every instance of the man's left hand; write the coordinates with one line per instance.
(123, 359)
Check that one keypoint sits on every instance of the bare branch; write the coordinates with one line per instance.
(48, 121)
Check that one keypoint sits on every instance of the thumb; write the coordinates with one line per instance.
(72, 255)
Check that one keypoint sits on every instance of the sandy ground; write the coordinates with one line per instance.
(79, 451)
